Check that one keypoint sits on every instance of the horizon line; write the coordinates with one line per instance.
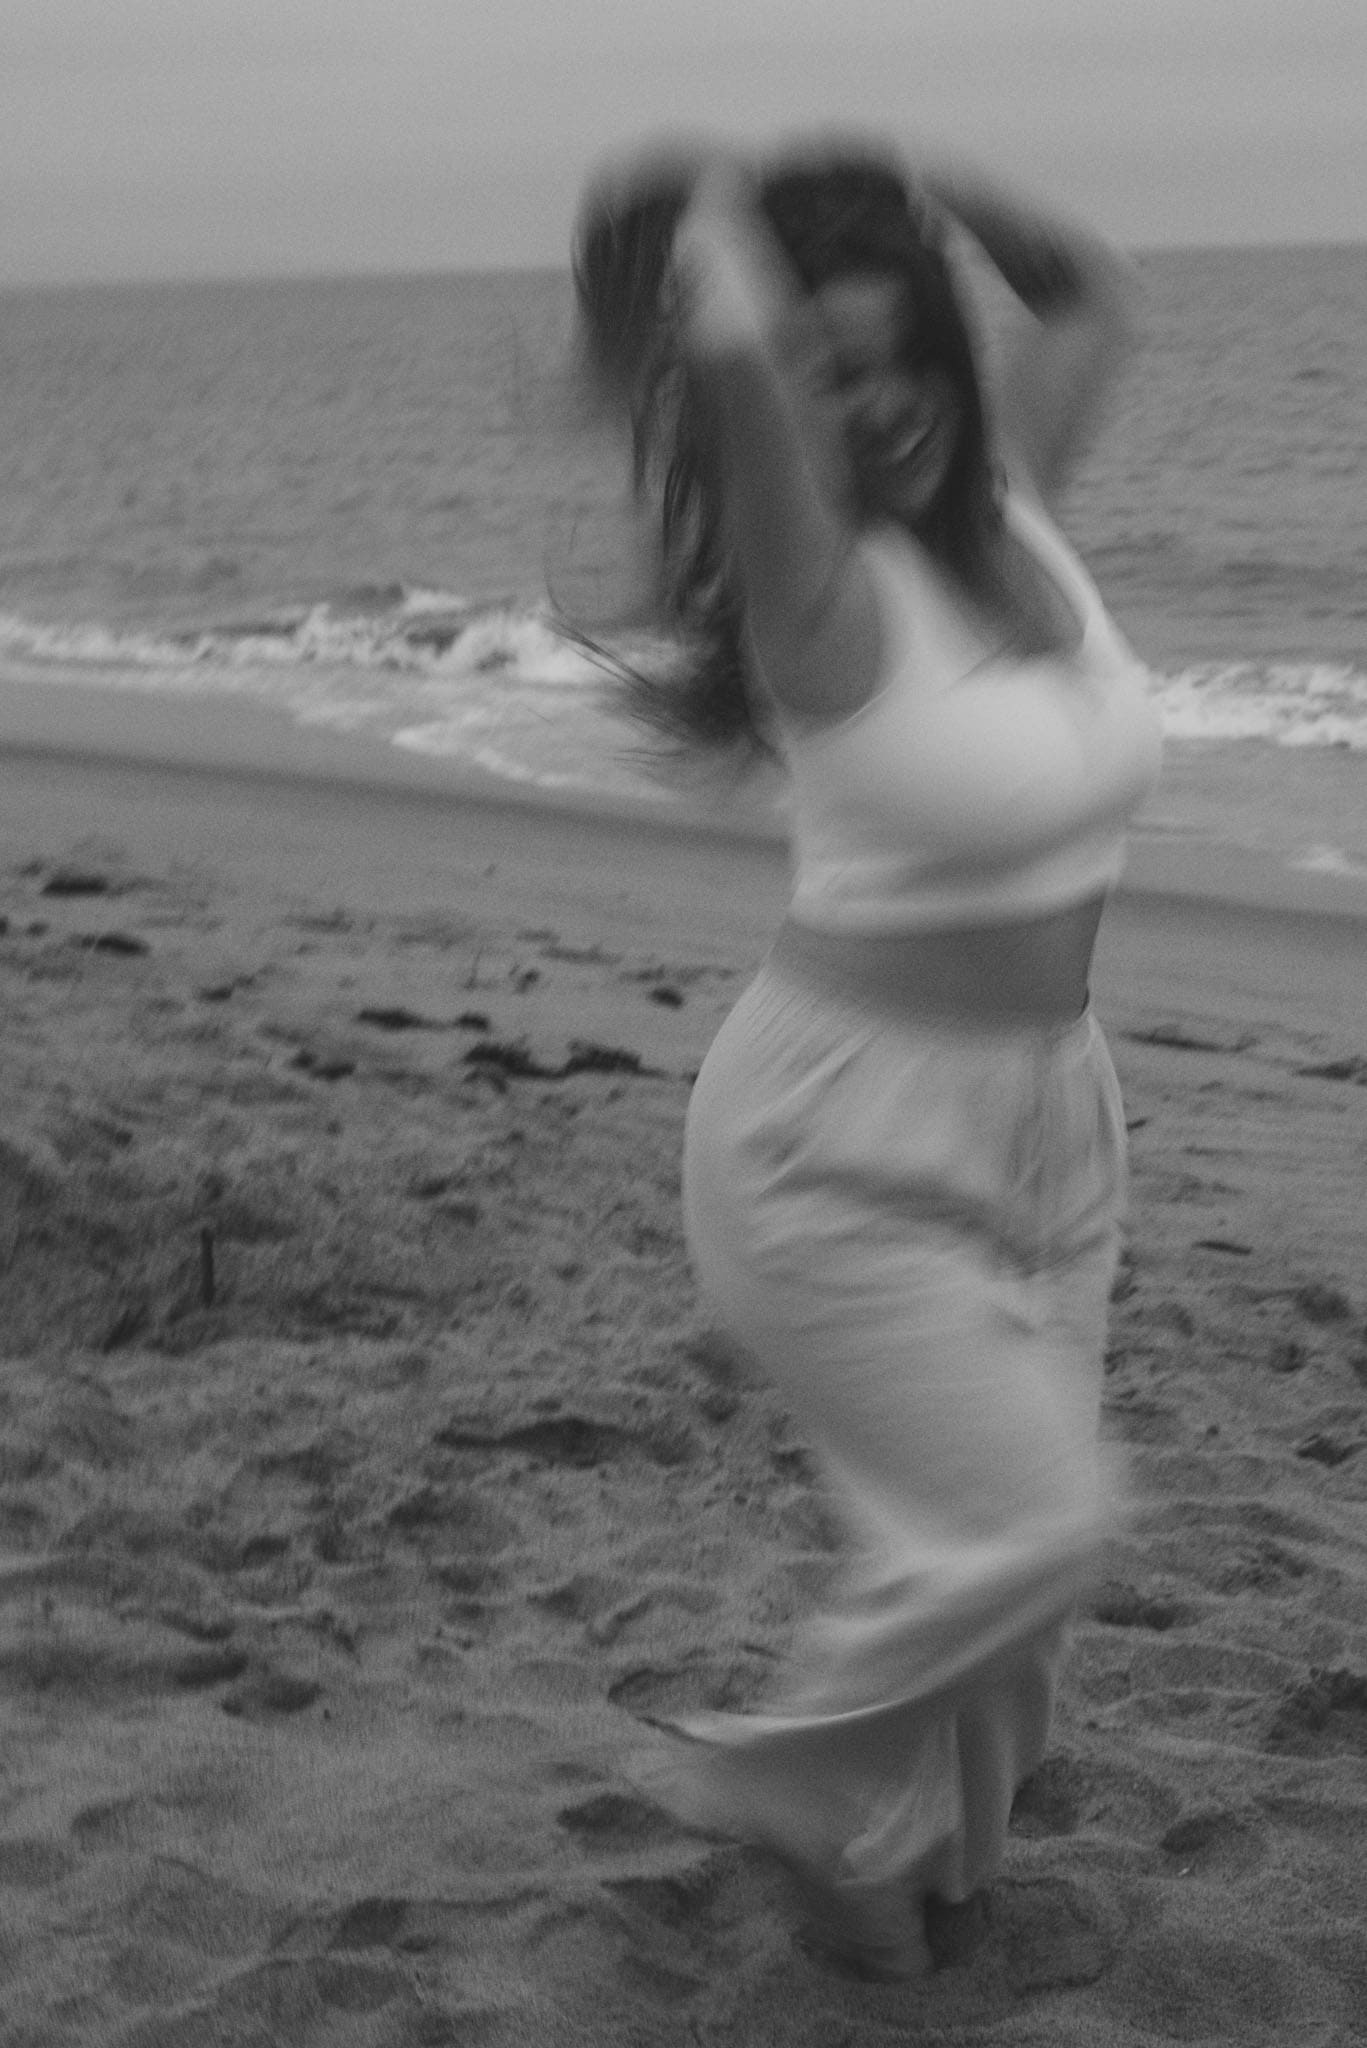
(147, 281)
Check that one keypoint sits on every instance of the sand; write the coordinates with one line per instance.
(368, 1464)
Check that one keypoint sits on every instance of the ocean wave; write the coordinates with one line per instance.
(394, 629)
(1321, 859)
(499, 686)
(447, 674)
(1288, 704)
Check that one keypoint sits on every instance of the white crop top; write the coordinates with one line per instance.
(974, 787)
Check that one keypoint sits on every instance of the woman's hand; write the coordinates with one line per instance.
(724, 190)
(733, 294)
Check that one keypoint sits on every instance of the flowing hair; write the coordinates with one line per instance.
(847, 213)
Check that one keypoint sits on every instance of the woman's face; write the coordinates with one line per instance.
(899, 421)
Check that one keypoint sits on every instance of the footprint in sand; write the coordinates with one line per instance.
(288, 1999)
(1354, 1068)
(1332, 1822)
(124, 945)
(153, 1975)
(213, 1665)
(355, 1987)
(177, 1900)
(1215, 1843)
(1022, 1937)
(582, 1597)
(455, 1515)
(1288, 1355)
(607, 1822)
(472, 1590)
(321, 1066)
(386, 1921)
(1243, 1546)
(1052, 1933)
(1322, 1304)
(113, 1824)
(266, 1693)
(678, 1923)
(33, 1862)
(1179, 1984)
(1187, 1684)
(1172, 1664)
(1216, 1468)
(74, 881)
(1071, 1795)
(1142, 1422)
(607, 1607)
(1124, 1606)
(577, 1440)
(1265, 1518)
(1325, 1715)
(372, 1923)
(701, 1683)
(1263, 1567)
(1330, 1451)
(573, 1439)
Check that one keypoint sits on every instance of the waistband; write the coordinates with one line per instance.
(1000, 977)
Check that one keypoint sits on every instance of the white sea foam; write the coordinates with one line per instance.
(500, 689)
(1328, 860)
(1289, 704)
(436, 675)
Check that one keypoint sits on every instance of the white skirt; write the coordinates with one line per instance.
(912, 1228)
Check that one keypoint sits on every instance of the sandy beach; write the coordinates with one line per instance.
(369, 1466)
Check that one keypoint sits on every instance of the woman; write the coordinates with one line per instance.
(904, 1154)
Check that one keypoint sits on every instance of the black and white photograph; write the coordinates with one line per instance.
(683, 1024)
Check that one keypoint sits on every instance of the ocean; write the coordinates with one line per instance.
(370, 503)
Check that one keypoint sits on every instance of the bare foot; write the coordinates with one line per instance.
(875, 1930)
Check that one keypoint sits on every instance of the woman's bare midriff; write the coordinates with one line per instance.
(1031, 970)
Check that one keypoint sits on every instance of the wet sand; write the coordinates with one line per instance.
(368, 1465)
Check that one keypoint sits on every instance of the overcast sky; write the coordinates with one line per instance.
(163, 138)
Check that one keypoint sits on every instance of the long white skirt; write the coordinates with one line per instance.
(912, 1228)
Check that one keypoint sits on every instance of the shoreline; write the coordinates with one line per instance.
(216, 736)
(1182, 937)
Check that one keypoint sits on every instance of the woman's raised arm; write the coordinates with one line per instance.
(777, 463)
(1082, 296)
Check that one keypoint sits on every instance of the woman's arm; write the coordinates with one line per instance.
(776, 463)
(1081, 294)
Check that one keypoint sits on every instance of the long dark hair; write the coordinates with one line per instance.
(848, 212)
